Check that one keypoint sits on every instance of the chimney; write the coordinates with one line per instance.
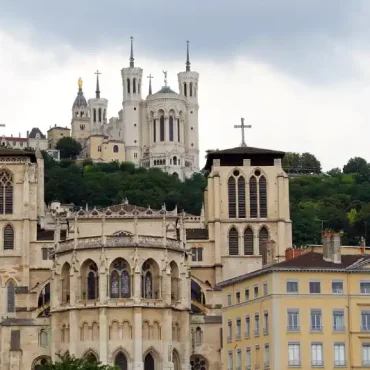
(291, 253)
(362, 245)
(326, 246)
(335, 248)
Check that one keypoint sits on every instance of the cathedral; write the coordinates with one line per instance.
(130, 286)
(158, 131)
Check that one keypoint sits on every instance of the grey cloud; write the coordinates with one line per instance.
(299, 37)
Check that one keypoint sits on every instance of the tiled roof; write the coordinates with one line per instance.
(246, 150)
(16, 153)
(306, 262)
(14, 138)
(196, 234)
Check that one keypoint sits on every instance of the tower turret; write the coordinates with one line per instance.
(188, 87)
(131, 83)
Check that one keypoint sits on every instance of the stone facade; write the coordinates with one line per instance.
(133, 286)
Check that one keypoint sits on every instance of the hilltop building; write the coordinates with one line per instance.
(160, 130)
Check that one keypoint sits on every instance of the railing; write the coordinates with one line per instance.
(339, 328)
(293, 328)
(267, 364)
(265, 331)
(340, 363)
(256, 332)
(365, 328)
(247, 334)
(316, 328)
(317, 363)
(294, 362)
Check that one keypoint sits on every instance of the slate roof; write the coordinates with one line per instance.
(36, 131)
(17, 153)
(246, 150)
(196, 234)
(307, 262)
(166, 90)
(80, 101)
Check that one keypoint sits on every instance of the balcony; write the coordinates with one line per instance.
(293, 328)
(316, 328)
(317, 363)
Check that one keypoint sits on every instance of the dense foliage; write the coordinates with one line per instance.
(337, 200)
(68, 147)
(73, 363)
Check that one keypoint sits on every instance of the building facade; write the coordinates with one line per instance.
(160, 130)
(310, 311)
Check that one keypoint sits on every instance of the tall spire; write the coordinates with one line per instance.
(97, 92)
(187, 57)
(150, 84)
(132, 64)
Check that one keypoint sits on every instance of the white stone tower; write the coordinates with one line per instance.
(80, 117)
(131, 82)
(98, 110)
(188, 87)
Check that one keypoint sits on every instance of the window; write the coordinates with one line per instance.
(247, 326)
(185, 89)
(365, 287)
(337, 287)
(293, 319)
(267, 355)
(236, 193)
(316, 354)
(237, 296)
(154, 130)
(265, 323)
(128, 85)
(255, 291)
(365, 320)
(263, 197)
(99, 148)
(339, 354)
(232, 197)
(248, 242)
(99, 114)
(365, 354)
(265, 289)
(248, 359)
(134, 85)
(338, 320)
(161, 128)
(120, 282)
(15, 340)
(8, 237)
(256, 324)
(263, 239)
(294, 354)
(241, 197)
(197, 254)
(233, 242)
(292, 287)
(135, 155)
(94, 114)
(239, 359)
(315, 287)
(238, 328)
(115, 149)
(171, 128)
(230, 358)
(316, 320)
(229, 299)
(198, 336)
(43, 340)
(253, 197)
(246, 293)
(229, 330)
(11, 297)
(6, 193)
(178, 130)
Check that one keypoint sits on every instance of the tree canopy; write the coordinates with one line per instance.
(69, 148)
(74, 363)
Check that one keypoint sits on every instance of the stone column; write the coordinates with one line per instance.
(217, 216)
(256, 244)
(74, 334)
(55, 337)
(167, 340)
(166, 128)
(73, 287)
(103, 287)
(167, 288)
(103, 335)
(185, 337)
(138, 340)
(137, 286)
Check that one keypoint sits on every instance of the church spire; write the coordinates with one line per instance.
(187, 57)
(132, 63)
(97, 92)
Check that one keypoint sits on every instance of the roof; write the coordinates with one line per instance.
(14, 138)
(17, 153)
(166, 90)
(235, 156)
(80, 101)
(59, 128)
(308, 262)
(34, 132)
(196, 234)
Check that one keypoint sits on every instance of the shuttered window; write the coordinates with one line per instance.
(248, 242)
(8, 237)
(241, 197)
(232, 197)
(233, 242)
(253, 197)
(263, 238)
(263, 197)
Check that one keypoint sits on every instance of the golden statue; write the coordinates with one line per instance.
(80, 83)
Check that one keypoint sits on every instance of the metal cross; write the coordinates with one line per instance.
(150, 83)
(150, 77)
(243, 126)
(165, 77)
(97, 73)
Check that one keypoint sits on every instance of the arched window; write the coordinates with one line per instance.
(8, 237)
(185, 89)
(178, 130)
(6, 196)
(134, 85)
(171, 128)
(262, 240)
(65, 283)
(91, 357)
(263, 196)
(120, 281)
(115, 149)
(139, 87)
(128, 85)
(161, 128)
(43, 338)
(233, 242)
(191, 88)
(175, 160)
(99, 114)
(232, 197)
(90, 280)
(91, 287)
(154, 130)
(248, 242)
(149, 362)
(40, 363)
(94, 114)
(253, 197)
(148, 285)
(11, 297)
(176, 360)
(121, 361)
(241, 197)
(198, 336)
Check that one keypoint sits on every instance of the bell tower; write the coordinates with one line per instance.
(131, 83)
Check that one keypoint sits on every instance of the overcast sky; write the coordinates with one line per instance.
(298, 71)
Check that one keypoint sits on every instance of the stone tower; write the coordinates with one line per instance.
(80, 117)
(131, 83)
(188, 87)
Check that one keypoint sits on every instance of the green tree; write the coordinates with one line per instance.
(74, 363)
(358, 166)
(69, 148)
(305, 162)
(310, 162)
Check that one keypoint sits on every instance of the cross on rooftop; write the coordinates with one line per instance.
(243, 126)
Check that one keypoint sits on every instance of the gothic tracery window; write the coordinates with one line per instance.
(8, 237)
(233, 242)
(6, 196)
(90, 280)
(120, 281)
(248, 242)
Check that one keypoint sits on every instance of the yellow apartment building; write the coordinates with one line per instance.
(102, 149)
(308, 312)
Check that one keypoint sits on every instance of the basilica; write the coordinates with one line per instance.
(130, 286)
(158, 131)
